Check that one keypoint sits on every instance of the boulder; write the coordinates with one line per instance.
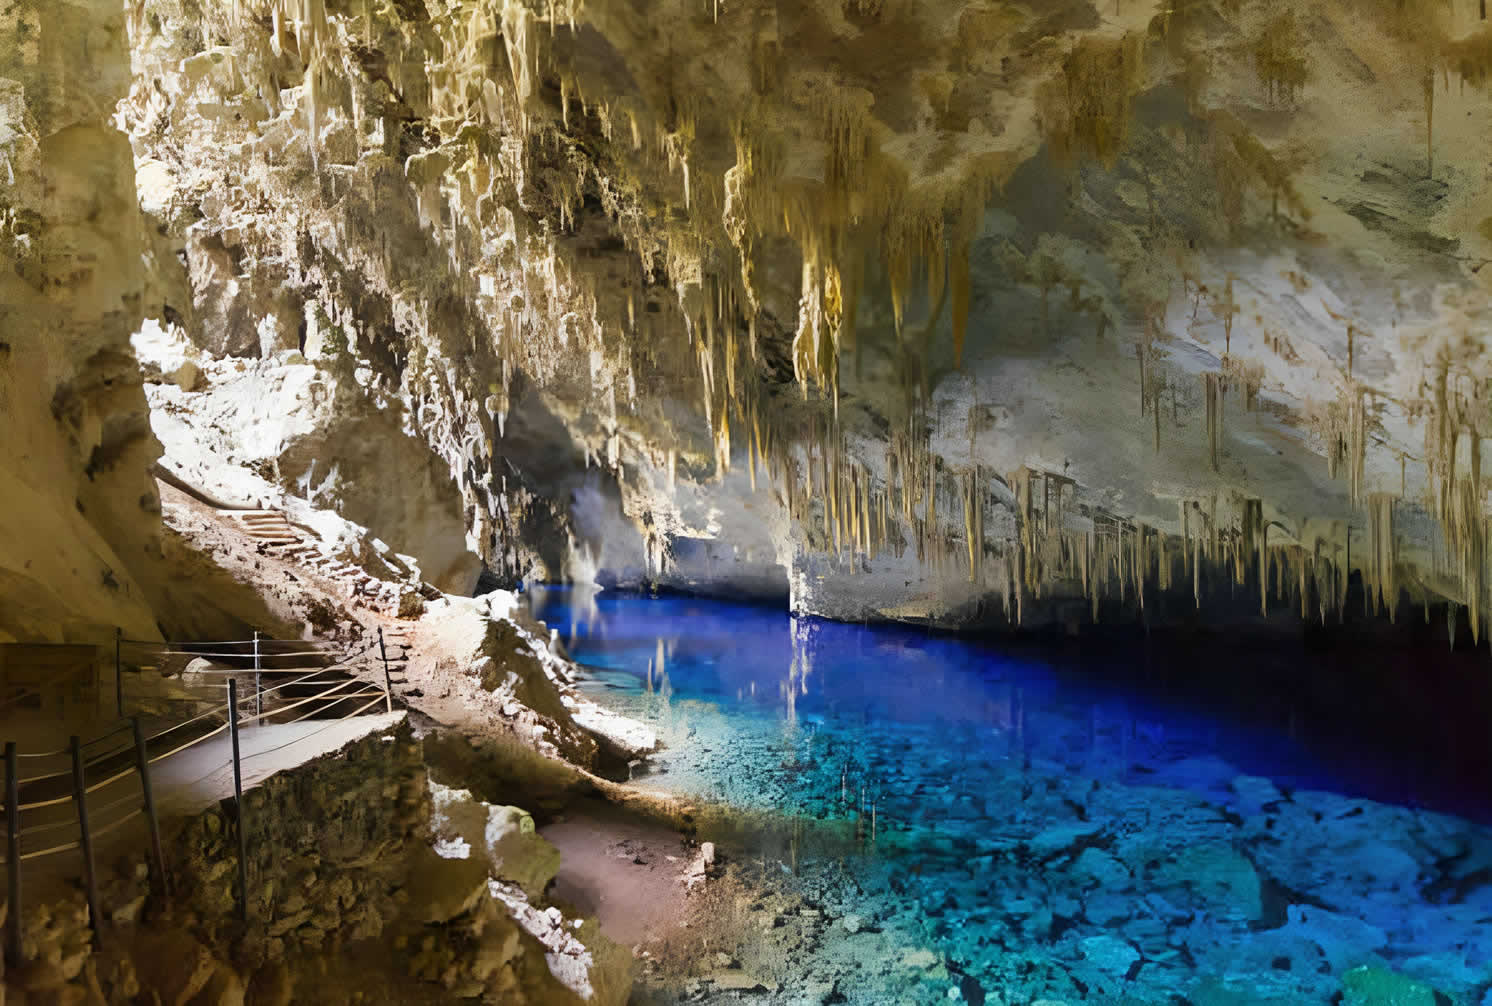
(1110, 954)
(411, 604)
(1344, 941)
(442, 889)
(1221, 877)
(517, 852)
(172, 966)
(501, 838)
(1103, 869)
(188, 376)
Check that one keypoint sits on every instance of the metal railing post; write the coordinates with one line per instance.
(243, 845)
(142, 762)
(12, 856)
(85, 836)
(388, 681)
(258, 692)
(118, 672)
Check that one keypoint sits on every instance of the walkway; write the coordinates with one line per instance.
(322, 702)
(195, 779)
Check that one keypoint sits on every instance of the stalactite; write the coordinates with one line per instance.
(1214, 387)
(958, 279)
(1380, 580)
(1429, 89)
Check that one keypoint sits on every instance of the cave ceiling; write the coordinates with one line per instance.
(966, 304)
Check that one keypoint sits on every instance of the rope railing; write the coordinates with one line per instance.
(116, 761)
(44, 754)
(320, 696)
(189, 744)
(39, 853)
(18, 698)
(105, 735)
(186, 647)
(245, 656)
(30, 779)
(122, 821)
(104, 755)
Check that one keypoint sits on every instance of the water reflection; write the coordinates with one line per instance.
(961, 697)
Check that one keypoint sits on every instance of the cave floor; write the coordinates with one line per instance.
(624, 871)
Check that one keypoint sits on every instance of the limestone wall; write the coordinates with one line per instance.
(78, 521)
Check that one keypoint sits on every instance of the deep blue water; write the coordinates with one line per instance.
(1134, 719)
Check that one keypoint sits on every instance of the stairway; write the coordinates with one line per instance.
(397, 643)
(277, 536)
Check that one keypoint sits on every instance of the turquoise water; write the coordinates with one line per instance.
(985, 824)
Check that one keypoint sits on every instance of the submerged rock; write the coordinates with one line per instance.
(1110, 954)
(1374, 986)
(1343, 941)
(1103, 869)
(1220, 876)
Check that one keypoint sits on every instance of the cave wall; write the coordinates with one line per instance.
(79, 527)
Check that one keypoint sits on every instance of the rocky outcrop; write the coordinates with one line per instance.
(79, 521)
(311, 434)
(494, 673)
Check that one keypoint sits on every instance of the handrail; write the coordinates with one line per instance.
(263, 641)
(329, 724)
(242, 656)
(20, 697)
(107, 733)
(47, 852)
(168, 643)
(295, 681)
(65, 677)
(111, 780)
(191, 743)
(222, 707)
(126, 818)
(344, 684)
(356, 712)
(294, 705)
(111, 805)
(38, 828)
(202, 496)
(58, 754)
(99, 759)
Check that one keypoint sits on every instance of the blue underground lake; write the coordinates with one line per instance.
(1027, 823)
